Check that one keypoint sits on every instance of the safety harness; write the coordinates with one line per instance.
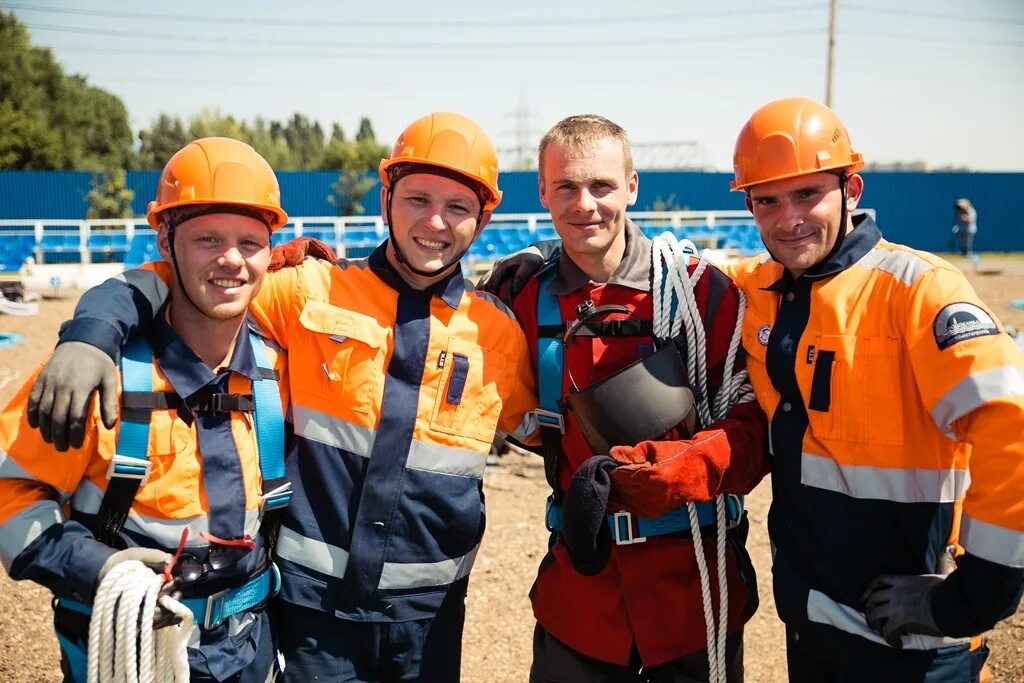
(130, 466)
(625, 527)
(676, 319)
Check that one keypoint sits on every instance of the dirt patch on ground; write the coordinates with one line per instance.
(500, 623)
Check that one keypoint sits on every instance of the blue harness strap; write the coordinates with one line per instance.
(277, 491)
(130, 465)
(549, 352)
(208, 611)
(626, 528)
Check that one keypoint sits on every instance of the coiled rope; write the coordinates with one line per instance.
(675, 313)
(123, 647)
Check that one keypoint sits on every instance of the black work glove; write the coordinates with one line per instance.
(897, 605)
(586, 533)
(509, 275)
(58, 403)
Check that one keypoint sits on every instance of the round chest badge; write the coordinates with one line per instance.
(763, 334)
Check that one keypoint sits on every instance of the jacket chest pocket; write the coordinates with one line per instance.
(853, 388)
(468, 401)
(351, 347)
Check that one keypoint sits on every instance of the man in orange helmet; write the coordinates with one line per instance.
(896, 404)
(185, 455)
(402, 375)
(623, 592)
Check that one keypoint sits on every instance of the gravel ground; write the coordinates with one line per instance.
(500, 623)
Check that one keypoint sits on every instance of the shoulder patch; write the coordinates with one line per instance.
(959, 322)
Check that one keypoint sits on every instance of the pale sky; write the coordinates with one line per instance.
(935, 80)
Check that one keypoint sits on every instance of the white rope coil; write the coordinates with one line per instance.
(123, 647)
(675, 313)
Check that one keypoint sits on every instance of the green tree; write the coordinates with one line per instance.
(52, 121)
(267, 138)
(305, 140)
(165, 136)
(95, 127)
(365, 130)
(210, 122)
(109, 198)
(357, 162)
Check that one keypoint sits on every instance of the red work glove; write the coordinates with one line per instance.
(659, 476)
(295, 252)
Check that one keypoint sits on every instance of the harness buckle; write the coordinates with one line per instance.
(277, 498)
(127, 467)
(214, 601)
(550, 419)
(623, 519)
(733, 522)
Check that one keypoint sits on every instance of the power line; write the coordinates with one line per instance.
(391, 48)
(948, 40)
(391, 24)
(932, 15)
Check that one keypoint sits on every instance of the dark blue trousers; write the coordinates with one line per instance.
(822, 654)
(321, 647)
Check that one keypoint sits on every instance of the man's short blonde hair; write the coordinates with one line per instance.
(581, 132)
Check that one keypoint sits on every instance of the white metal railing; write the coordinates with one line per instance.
(341, 231)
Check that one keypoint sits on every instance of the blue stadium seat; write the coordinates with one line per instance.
(285, 234)
(142, 249)
(60, 247)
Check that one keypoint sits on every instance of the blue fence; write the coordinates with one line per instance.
(912, 208)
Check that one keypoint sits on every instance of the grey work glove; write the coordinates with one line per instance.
(898, 605)
(59, 401)
(155, 560)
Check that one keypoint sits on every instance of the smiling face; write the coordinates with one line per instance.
(222, 259)
(587, 191)
(800, 218)
(433, 221)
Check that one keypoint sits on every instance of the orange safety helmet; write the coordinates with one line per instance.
(449, 141)
(791, 137)
(218, 171)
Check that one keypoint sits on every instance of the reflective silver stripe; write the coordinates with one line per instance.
(905, 266)
(975, 390)
(166, 532)
(883, 483)
(316, 426)
(432, 457)
(491, 299)
(333, 431)
(20, 530)
(331, 560)
(422, 574)
(12, 470)
(317, 555)
(527, 427)
(148, 283)
(993, 543)
(822, 609)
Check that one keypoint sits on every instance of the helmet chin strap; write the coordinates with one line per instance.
(177, 268)
(841, 236)
(400, 257)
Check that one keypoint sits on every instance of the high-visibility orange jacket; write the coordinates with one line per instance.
(205, 477)
(648, 596)
(896, 403)
(397, 395)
